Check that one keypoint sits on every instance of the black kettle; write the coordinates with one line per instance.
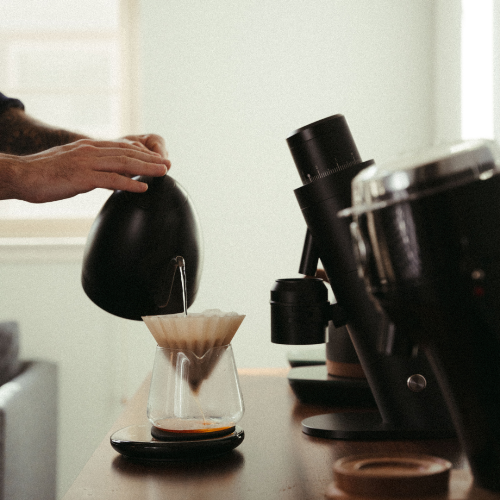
(131, 254)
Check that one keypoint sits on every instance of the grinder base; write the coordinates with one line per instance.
(365, 426)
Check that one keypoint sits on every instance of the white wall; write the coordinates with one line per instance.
(225, 82)
(101, 359)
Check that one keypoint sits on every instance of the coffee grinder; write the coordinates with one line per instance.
(427, 234)
(409, 401)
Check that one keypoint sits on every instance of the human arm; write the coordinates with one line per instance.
(42, 163)
(21, 134)
(65, 171)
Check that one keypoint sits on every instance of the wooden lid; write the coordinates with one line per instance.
(392, 476)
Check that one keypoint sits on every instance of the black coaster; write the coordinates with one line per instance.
(136, 442)
(188, 436)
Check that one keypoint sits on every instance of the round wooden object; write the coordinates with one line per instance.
(351, 370)
(392, 476)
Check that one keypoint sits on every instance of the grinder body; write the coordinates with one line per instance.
(327, 160)
(432, 261)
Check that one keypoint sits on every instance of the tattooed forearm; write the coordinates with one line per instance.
(22, 135)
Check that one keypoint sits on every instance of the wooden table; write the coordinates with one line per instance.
(275, 461)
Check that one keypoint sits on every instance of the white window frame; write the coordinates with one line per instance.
(40, 237)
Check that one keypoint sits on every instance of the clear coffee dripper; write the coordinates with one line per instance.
(194, 396)
(194, 392)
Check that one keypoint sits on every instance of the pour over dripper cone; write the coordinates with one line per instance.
(195, 334)
(193, 368)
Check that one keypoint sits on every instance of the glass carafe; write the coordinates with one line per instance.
(194, 396)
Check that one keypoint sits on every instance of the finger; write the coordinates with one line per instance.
(119, 182)
(123, 154)
(158, 147)
(119, 144)
(125, 165)
(154, 143)
(140, 141)
(129, 145)
(140, 145)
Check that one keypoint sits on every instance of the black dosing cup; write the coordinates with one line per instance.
(299, 311)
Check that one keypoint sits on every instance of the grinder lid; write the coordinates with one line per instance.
(424, 173)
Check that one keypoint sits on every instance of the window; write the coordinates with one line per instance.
(477, 62)
(71, 63)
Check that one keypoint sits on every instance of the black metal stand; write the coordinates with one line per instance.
(365, 426)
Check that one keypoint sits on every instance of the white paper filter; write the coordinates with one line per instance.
(198, 333)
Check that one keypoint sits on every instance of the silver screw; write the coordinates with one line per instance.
(477, 274)
(416, 383)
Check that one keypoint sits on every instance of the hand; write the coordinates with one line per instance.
(151, 142)
(321, 274)
(65, 171)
